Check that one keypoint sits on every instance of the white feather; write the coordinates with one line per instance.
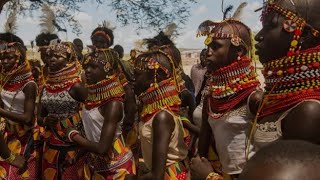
(47, 20)
(108, 24)
(11, 24)
(170, 29)
(237, 14)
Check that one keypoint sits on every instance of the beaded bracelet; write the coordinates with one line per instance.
(214, 176)
(11, 158)
(71, 134)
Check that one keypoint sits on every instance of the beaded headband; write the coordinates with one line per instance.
(9, 48)
(110, 58)
(62, 49)
(293, 24)
(145, 62)
(208, 28)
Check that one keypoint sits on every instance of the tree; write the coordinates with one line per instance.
(144, 14)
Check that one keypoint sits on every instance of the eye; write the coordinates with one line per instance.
(215, 45)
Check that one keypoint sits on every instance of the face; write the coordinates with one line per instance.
(8, 61)
(94, 72)
(142, 80)
(56, 62)
(219, 54)
(99, 42)
(44, 58)
(203, 60)
(79, 45)
(273, 40)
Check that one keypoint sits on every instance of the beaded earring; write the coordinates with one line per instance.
(154, 65)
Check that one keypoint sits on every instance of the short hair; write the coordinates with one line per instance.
(284, 153)
(119, 49)
(44, 39)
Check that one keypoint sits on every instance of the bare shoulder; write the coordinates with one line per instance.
(303, 122)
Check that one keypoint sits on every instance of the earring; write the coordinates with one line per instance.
(239, 56)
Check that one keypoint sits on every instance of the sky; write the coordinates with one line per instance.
(91, 15)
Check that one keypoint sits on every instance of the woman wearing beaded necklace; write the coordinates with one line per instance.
(231, 80)
(102, 38)
(161, 131)
(289, 48)
(59, 110)
(103, 116)
(18, 95)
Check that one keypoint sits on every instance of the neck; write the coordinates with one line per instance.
(231, 85)
(17, 78)
(291, 79)
(104, 91)
(63, 79)
(164, 96)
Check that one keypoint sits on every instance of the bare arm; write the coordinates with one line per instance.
(78, 92)
(205, 131)
(163, 126)
(112, 113)
(30, 91)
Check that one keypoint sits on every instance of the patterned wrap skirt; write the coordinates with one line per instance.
(115, 166)
(26, 143)
(58, 150)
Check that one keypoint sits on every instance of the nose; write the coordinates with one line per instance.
(258, 37)
(209, 52)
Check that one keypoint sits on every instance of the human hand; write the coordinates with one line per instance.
(200, 167)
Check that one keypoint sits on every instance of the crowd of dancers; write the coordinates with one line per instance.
(74, 115)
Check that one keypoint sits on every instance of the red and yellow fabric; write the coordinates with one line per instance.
(115, 166)
(26, 143)
(57, 150)
(178, 171)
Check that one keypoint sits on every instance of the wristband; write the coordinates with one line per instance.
(71, 134)
(11, 158)
(214, 176)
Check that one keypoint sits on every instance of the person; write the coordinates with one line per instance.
(78, 45)
(289, 107)
(103, 116)
(102, 38)
(163, 43)
(43, 41)
(231, 80)
(161, 131)
(37, 73)
(284, 159)
(18, 94)
(197, 74)
(126, 66)
(59, 110)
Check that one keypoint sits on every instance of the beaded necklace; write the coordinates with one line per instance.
(104, 92)
(290, 80)
(230, 85)
(63, 79)
(17, 78)
(165, 95)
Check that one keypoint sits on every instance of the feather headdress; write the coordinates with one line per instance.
(108, 24)
(11, 24)
(171, 29)
(47, 20)
(237, 14)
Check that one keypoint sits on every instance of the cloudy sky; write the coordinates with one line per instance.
(91, 15)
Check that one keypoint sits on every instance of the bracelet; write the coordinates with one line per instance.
(71, 134)
(11, 158)
(214, 176)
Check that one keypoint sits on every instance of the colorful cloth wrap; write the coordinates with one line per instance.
(26, 142)
(115, 166)
(58, 150)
